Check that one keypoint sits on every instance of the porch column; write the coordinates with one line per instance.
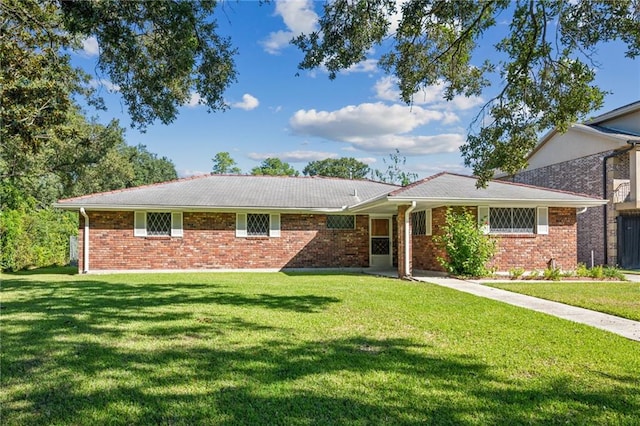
(634, 175)
(402, 244)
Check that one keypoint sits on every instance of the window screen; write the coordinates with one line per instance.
(341, 222)
(257, 225)
(512, 220)
(158, 224)
(419, 223)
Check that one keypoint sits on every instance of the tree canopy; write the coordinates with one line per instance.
(274, 167)
(394, 173)
(545, 63)
(223, 164)
(346, 168)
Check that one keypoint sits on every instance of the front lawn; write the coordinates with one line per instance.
(297, 349)
(615, 298)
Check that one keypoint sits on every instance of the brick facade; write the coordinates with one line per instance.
(519, 250)
(210, 242)
(584, 175)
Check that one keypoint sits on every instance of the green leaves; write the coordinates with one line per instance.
(274, 167)
(546, 61)
(346, 168)
(159, 53)
(223, 164)
(468, 248)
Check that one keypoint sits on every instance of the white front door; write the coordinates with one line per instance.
(380, 250)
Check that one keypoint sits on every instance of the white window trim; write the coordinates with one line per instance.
(241, 225)
(140, 225)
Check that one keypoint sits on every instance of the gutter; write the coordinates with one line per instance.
(85, 245)
(632, 145)
(407, 221)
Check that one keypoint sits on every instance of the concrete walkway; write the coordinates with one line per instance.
(621, 326)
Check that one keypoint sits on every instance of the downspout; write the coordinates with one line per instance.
(85, 245)
(632, 145)
(407, 235)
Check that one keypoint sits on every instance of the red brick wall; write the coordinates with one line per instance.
(524, 251)
(209, 242)
(584, 175)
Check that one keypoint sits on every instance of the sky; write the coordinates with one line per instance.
(301, 116)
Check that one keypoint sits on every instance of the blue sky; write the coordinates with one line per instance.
(274, 113)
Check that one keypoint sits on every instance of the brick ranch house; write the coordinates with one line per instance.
(600, 158)
(220, 222)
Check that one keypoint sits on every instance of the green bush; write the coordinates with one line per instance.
(614, 273)
(468, 248)
(553, 274)
(582, 270)
(31, 238)
(516, 273)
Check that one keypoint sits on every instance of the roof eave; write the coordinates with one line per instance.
(500, 201)
(223, 209)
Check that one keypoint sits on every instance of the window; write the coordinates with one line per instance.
(257, 225)
(512, 220)
(421, 222)
(157, 224)
(341, 222)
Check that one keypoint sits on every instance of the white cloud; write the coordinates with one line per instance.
(293, 156)
(298, 16)
(248, 103)
(411, 145)
(431, 169)
(386, 89)
(364, 120)
(111, 87)
(194, 100)
(367, 160)
(90, 46)
(379, 128)
(368, 65)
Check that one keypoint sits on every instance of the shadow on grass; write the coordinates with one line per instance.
(47, 270)
(91, 352)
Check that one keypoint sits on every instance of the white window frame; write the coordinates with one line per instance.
(140, 224)
(241, 225)
(541, 221)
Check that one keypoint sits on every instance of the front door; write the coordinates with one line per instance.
(380, 243)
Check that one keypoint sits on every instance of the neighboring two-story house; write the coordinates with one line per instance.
(601, 158)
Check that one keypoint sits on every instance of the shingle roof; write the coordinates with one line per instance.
(452, 187)
(232, 191)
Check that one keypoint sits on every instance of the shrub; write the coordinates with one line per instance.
(597, 272)
(31, 238)
(613, 273)
(468, 248)
(552, 274)
(516, 273)
(582, 270)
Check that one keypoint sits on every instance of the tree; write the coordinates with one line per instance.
(545, 63)
(346, 168)
(274, 167)
(158, 53)
(394, 173)
(223, 164)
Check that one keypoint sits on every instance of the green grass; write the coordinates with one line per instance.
(296, 349)
(615, 298)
